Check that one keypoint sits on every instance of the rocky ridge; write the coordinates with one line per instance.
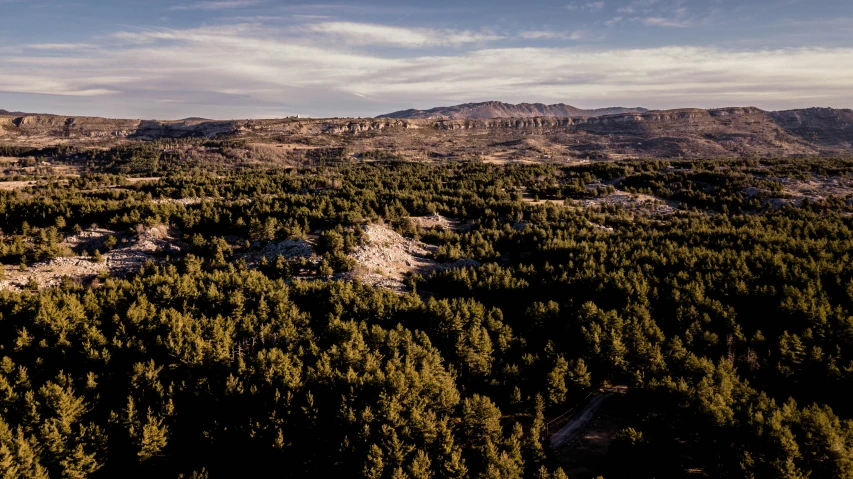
(685, 133)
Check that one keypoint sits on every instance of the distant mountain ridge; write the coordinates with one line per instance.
(20, 113)
(497, 109)
(682, 133)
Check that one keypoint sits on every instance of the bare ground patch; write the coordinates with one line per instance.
(436, 221)
(50, 272)
(817, 188)
(529, 198)
(15, 185)
(144, 179)
(636, 202)
(180, 201)
(387, 258)
(290, 250)
(154, 244)
(640, 203)
(89, 239)
(796, 191)
(498, 159)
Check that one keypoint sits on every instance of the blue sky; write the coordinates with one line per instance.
(265, 58)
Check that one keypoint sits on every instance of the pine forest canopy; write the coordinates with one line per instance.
(724, 303)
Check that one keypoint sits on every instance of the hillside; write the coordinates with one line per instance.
(496, 109)
(827, 126)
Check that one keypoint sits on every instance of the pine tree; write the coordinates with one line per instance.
(154, 437)
(374, 465)
(420, 468)
(579, 376)
(481, 419)
(559, 474)
(536, 451)
(452, 463)
(557, 388)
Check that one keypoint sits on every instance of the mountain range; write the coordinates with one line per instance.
(497, 109)
(20, 113)
(682, 133)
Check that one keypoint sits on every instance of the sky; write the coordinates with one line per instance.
(228, 59)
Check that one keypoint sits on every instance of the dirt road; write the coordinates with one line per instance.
(579, 420)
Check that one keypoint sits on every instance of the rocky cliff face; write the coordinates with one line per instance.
(608, 121)
(496, 109)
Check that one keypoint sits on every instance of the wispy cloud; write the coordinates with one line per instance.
(375, 34)
(217, 5)
(550, 35)
(598, 5)
(675, 15)
(59, 46)
(819, 23)
(664, 22)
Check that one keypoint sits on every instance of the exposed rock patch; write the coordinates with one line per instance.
(154, 244)
(289, 249)
(387, 257)
(89, 239)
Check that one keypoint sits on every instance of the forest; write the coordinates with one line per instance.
(728, 319)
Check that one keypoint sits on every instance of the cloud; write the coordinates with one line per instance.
(664, 22)
(645, 4)
(247, 68)
(668, 14)
(217, 5)
(550, 35)
(59, 46)
(375, 34)
(585, 6)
